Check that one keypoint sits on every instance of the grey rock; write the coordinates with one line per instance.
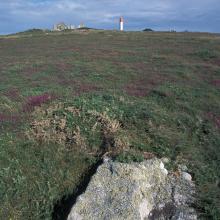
(185, 213)
(135, 191)
(186, 176)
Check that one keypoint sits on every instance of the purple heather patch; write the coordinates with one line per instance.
(216, 82)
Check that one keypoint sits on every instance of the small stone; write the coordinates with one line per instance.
(165, 160)
(161, 165)
(187, 176)
(106, 159)
(164, 170)
(160, 206)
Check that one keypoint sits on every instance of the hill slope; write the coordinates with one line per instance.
(67, 98)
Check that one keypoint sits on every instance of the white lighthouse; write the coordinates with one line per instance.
(121, 23)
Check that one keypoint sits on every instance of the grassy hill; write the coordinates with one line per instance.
(68, 98)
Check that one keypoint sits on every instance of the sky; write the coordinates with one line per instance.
(179, 15)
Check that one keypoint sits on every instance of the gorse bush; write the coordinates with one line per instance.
(73, 125)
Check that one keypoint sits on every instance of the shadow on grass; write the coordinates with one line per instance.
(63, 207)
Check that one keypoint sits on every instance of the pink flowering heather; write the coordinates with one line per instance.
(216, 82)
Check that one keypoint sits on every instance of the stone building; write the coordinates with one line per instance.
(62, 26)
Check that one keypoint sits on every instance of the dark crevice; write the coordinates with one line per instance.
(167, 212)
(63, 207)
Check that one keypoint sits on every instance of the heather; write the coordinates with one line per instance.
(67, 99)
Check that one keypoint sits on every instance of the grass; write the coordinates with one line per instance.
(68, 98)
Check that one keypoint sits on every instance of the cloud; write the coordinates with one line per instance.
(200, 15)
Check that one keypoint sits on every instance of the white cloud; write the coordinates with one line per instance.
(21, 14)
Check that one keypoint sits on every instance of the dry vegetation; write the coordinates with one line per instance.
(61, 124)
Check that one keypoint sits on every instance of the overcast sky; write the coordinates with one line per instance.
(192, 15)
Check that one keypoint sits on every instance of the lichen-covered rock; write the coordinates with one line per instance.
(135, 191)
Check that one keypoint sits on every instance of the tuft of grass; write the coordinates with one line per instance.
(128, 157)
(41, 177)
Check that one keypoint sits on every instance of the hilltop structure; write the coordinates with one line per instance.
(121, 24)
(81, 25)
(62, 26)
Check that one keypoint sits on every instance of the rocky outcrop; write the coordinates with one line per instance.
(136, 191)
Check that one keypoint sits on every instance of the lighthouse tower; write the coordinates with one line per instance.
(121, 23)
